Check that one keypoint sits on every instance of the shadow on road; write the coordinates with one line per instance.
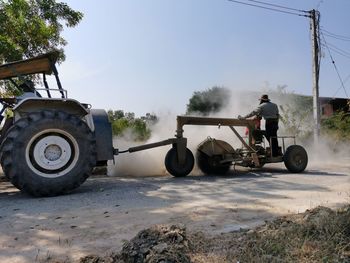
(108, 209)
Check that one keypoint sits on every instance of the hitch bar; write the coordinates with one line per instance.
(178, 143)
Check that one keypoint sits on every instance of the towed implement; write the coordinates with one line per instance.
(214, 156)
(50, 145)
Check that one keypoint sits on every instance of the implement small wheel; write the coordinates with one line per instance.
(295, 159)
(211, 164)
(172, 164)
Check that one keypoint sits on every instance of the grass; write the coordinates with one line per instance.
(318, 235)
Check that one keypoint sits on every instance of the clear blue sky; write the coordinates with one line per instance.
(151, 55)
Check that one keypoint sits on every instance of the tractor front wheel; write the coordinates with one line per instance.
(48, 153)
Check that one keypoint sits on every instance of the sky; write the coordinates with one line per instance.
(151, 55)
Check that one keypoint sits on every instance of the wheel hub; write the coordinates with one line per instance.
(52, 152)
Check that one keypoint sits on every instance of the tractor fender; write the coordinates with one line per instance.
(103, 135)
(96, 119)
(34, 104)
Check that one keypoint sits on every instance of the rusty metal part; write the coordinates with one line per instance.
(190, 120)
(181, 143)
(230, 122)
(212, 147)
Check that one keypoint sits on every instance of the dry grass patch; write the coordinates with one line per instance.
(318, 235)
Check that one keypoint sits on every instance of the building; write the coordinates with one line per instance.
(331, 105)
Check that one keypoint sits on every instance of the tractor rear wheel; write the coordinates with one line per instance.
(211, 164)
(295, 159)
(48, 153)
(172, 164)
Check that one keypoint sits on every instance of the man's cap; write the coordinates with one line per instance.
(264, 98)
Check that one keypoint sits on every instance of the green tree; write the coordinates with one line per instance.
(140, 130)
(127, 123)
(129, 116)
(209, 101)
(32, 27)
(149, 118)
(296, 115)
(338, 126)
(120, 126)
(115, 115)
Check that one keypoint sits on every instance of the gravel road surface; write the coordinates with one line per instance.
(105, 211)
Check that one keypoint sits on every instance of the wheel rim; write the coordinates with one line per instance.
(52, 153)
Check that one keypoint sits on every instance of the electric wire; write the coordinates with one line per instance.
(336, 51)
(345, 80)
(319, 32)
(338, 38)
(339, 49)
(268, 8)
(336, 35)
(335, 66)
(278, 6)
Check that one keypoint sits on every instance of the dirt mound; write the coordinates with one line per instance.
(318, 235)
(158, 244)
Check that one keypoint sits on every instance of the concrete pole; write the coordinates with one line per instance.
(315, 75)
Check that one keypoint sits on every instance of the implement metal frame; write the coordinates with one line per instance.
(180, 142)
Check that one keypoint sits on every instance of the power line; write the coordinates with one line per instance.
(335, 66)
(268, 8)
(336, 51)
(345, 80)
(279, 6)
(339, 49)
(339, 38)
(335, 35)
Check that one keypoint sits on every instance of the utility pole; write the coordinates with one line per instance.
(314, 15)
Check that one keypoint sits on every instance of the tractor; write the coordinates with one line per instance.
(49, 145)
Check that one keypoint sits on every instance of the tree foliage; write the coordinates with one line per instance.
(209, 101)
(338, 126)
(32, 27)
(297, 118)
(125, 123)
(296, 115)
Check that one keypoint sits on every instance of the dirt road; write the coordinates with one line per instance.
(107, 210)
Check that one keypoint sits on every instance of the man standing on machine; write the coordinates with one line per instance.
(269, 111)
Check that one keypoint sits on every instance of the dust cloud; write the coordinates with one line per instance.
(328, 152)
(151, 162)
